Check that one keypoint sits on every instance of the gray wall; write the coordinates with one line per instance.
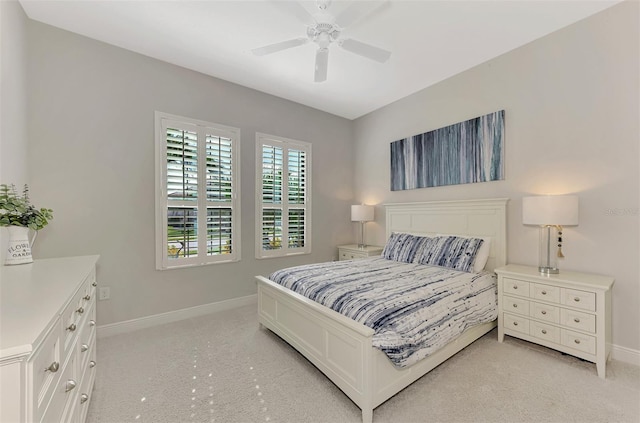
(91, 151)
(13, 100)
(571, 113)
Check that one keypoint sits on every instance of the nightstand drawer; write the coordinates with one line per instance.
(578, 320)
(545, 331)
(350, 255)
(516, 323)
(516, 305)
(545, 312)
(579, 299)
(545, 293)
(516, 287)
(578, 341)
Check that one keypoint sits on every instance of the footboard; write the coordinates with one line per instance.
(342, 348)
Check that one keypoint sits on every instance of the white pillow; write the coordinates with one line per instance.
(483, 253)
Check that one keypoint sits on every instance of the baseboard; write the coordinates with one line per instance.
(173, 316)
(627, 355)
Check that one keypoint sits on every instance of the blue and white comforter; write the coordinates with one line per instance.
(414, 309)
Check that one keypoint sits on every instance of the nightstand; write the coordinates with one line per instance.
(351, 251)
(569, 312)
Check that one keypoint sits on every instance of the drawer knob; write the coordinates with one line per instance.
(71, 384)
(515, 286)
(80, 310)
(515, 323)
(544, 331)
(72, 327)
(53, 367)
(83, 398)
(84, 347)
(577, 341)
(544, 292)
(515, 306)
(576, 320)
(94, 284)
(87, 297)
(92, 322)
(576, 299)
(92, 364)
(544, 312)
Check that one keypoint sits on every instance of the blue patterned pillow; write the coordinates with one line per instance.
(403, 247)
(452, 252)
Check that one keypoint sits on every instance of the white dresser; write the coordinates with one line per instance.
(352, 251)
(569, 312)
(47, 340)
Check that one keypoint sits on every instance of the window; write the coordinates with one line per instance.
(197, 192)
(283, 211)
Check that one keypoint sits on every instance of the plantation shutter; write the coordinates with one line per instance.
(283, 172)
(198, 194)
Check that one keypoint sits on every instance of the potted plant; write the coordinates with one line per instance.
(19, 215)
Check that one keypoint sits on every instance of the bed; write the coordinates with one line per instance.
(342, 348)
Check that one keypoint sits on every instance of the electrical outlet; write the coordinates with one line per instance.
(104, 293)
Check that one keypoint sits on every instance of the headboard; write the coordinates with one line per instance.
(481, 218)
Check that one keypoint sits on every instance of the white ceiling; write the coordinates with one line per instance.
(429, 40)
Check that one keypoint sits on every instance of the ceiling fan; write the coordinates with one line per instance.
(325, 29)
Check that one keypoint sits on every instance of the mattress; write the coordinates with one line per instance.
(414, 309)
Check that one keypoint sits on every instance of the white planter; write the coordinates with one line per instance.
(19, 246)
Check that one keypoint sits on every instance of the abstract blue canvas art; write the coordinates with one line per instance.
(466, 152)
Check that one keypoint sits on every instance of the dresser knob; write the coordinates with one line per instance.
(544, 331)
(544, 292)
(576, 299)
(87, 297)
(72, 327)
(515, 323)
(92, 364)
(544, 312)
(92, 322)
(515, 286)
(80, 310)
(577, 341)
(84, 347)
(576, 320)
(94, 284)
(515, 306)
(71, 384)
(53, 367)
(83, 398)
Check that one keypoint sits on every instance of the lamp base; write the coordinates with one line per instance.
(548, 270)
(362, 246)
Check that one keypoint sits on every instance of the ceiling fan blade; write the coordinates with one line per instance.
(358, 10)
(295, 9)
(283, 45)
(365, 50)
(322, 63)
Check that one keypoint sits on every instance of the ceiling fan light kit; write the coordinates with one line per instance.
(326, 30)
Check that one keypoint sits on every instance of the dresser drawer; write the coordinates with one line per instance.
(544, 331)
(516, 305)
(578, 320)
(62, 394)
(351, 255)
(516, 323)
(515, 287)
(578, 341)
(545, 312)
(545, 293)
(579, 299)
(46, 367)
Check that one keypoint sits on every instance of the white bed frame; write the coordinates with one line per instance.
(342, 348)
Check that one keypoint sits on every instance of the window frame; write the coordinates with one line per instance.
(286, 144)
(162, 203)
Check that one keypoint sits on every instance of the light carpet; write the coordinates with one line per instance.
(224, 367)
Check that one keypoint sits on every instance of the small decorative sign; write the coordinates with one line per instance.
(19, 247)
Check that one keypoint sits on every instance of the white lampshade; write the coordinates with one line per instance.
(559, 210)
(361, 213)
